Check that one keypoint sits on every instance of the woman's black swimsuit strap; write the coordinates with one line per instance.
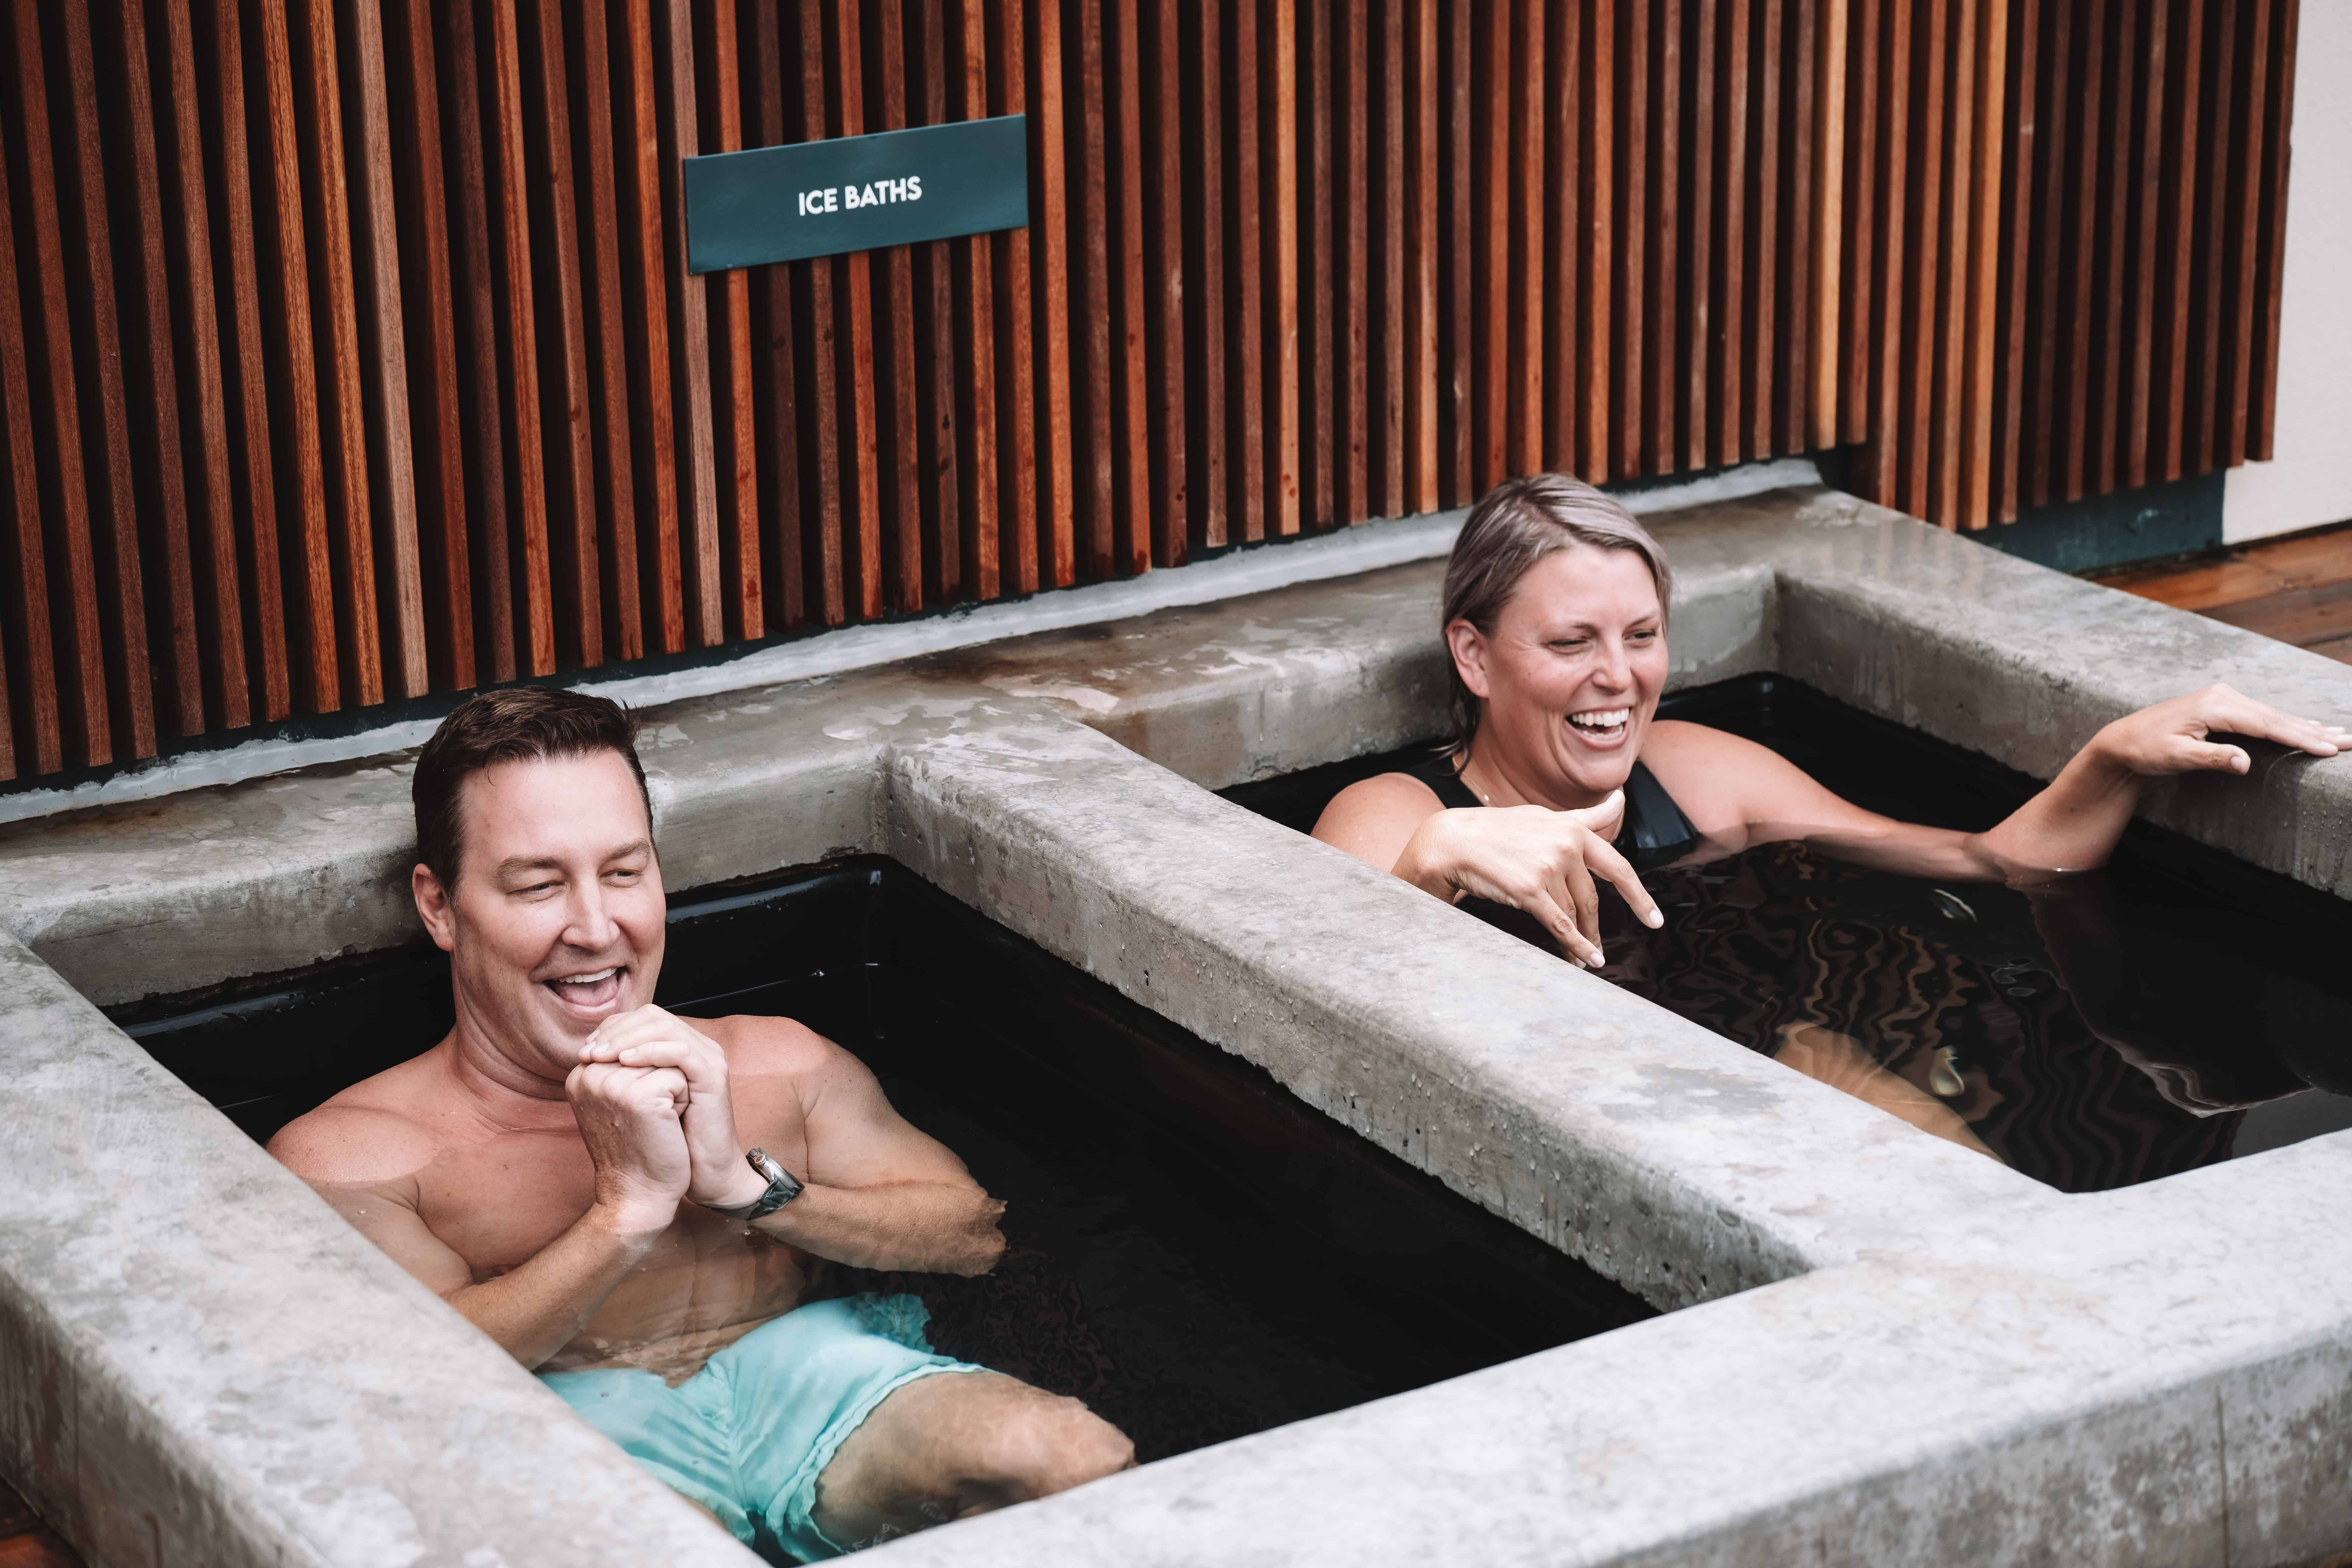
(1656, 832)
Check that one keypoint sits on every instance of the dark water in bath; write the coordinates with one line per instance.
(1193, 1252)
(2170, 1012)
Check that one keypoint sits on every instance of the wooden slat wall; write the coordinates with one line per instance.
(347, 354)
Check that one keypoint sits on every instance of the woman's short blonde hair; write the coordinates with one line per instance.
(1515, 525)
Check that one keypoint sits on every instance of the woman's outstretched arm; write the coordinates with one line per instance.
(1738, 793)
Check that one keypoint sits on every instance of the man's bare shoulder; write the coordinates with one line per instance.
(758, 1045)
(376, 1131)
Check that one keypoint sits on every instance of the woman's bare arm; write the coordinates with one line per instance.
(1738, 793)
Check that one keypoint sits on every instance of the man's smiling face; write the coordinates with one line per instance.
(556, 920)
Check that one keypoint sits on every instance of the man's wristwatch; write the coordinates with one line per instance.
(782, 1188)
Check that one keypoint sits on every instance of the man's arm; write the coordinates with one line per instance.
(364, 1162)
(877, 1194)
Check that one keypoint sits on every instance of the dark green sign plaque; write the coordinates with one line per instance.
(856, 192)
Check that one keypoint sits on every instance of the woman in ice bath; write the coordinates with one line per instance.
(1556, 611)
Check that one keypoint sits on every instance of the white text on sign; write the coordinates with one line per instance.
(839, 198)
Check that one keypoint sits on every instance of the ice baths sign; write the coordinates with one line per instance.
(856, 192)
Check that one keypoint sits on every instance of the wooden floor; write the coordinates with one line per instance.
(2297, 589)
(25, 1541)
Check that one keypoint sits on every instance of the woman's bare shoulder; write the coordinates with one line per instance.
(1372, 818)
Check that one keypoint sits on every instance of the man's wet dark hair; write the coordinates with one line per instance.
(522, 723)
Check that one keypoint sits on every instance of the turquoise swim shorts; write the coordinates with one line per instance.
(748, 1435)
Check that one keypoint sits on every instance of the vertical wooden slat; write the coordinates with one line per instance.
(939, 334)
(861, 433)
(1392, 387)
(2146, 168)
(661, 567)
(1596, 337)
(688, 303)
(1351, 237)
(1881, 461)
(1634, 156)
(1210, 259)
(1727, 354)
(1163, 252)
(2246, 226)
(899, 415)
(2024, 155)
(775, 373)
(503, 130)
(1095, 302)
(2074, 419)
(1127, 329)
(1828, 218)
(567, 416)
(475, 292)
(2208, 376)
(254, 481)
(1316, 350)
(1763, 379)
(977, 347)
(1662, 283)
(1698, 260)
(1278, 131)
(828, 557)
(82, 695)
(1945, 422)
(2046, 396)
(300, 443)
(2268, 292)
(2107, 393)
(1795, 278)
(2178, 226)
(114, 497)
(1492, 68)
(1862, 179)
(735, 417)
(148, 336)
(616, 501)
(1923, 265)
(381, 341)
(351, 536)
(438, 423)
(1057, 544)
(1421, 370)
(1565, 242)
(1244, 325)
(1009, 260)
(1525, 159)
(1457, 349)
(1981, 319)
(24, 566)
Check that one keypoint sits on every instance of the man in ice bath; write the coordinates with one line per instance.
(638, 1206)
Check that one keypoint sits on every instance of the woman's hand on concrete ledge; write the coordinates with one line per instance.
(2176, 737)
(1535, 859)
(2073, 825)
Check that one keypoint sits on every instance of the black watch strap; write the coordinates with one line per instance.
(782, 1188)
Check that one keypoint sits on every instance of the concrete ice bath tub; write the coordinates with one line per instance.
(1892, 1350)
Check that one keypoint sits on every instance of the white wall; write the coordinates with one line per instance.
(2309, 481)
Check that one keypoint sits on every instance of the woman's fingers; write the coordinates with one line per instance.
(2215, 756)
(1603, 858)
(2240, 714)
(1600, 819)
(1584, 899)
(1562, 926)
